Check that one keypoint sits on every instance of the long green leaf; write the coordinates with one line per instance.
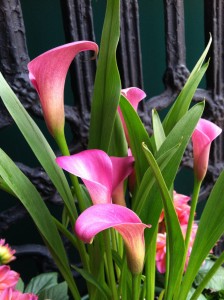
(181, 133)
(107, 85)
(174, 233)
(158, 131)
(30, 198)
(137, 134)
(101, 286)
(118, 143)
(182, 103)
(148, 180)
(211, 227)
(38, 144)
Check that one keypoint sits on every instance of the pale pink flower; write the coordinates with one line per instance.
(8, 278)
(181, 206)
(102, 175)
(161, 247)
(161, 252)
(203, 135)
(6, 253)
(103, 216)
(47, 73)
(131, 177)
(192, 238)
(10, 294)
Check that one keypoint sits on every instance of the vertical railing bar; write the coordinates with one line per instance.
(129, 47)
(214, 23)
(175, 33)
(176, 73)
(82, 69)
(14, 58)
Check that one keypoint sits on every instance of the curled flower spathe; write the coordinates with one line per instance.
(103, 216)
(203, 135)
(134, 95)
(47, 73)
(101, 173)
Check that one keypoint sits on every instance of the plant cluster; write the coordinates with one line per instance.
(136, 236)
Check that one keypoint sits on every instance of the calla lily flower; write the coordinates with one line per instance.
(47, 73)
(134, 95)
(103, 216)
(101, 174)
(202, 138)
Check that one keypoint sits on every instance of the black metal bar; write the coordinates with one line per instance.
(176, 73)
(214, 21)
(78, 25)
(129, 50)
(14, 55)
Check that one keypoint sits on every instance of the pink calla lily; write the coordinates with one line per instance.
(134, 95)
(202, 138)
(101, 174)
(47, 73)
(103, 216)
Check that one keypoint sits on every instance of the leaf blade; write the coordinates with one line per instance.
(107, 85)
(38, 144)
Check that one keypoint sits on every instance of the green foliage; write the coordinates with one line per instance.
(137, 134)
(101, 286)
(107, 83)
(41, 282)
(23, 189)
(216, 283)
(212, 220)
(56, 292)
(38, 144)
(157, 161)
(46, 286)
(183, 101)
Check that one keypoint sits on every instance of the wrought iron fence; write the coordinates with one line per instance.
(14, 57)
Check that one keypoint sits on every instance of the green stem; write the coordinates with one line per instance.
(194, 201)
(111, 275)
(136, 280)
(161, 295)
(208, 276)
(66, 232)
(62, 144)
(116, 247)
(167, 265)
(150, 271)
